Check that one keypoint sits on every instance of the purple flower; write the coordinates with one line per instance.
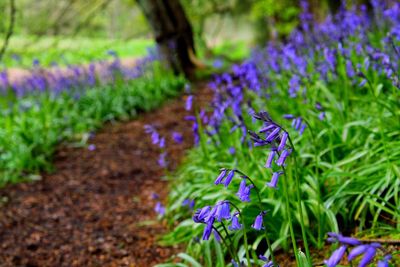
(302, 128)
(159, 209)
(232, 150)
(336, 256)
(385, 261)
(229, 178)
(201, 214)
(223, 211)
(271, 156)
(189, 103)
(368, 256)
(235, 225)
(282, 158)
(161, 160)
(221, 176)
(357, 251)
(258, 222)
(208, 229)
(274, 179)
(177, 137)
(188, 202)
(268, 263)
(244, 191)
(272, 136)
(234, 263)
(161, 144)
(92, 147)
(282, 144)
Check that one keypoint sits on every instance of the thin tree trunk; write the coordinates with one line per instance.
(173, 33)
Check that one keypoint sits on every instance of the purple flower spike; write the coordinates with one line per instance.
(229, 178)
(271, 156)
(189, 103)
(161, 144)
(235, 225)
(258, 222)
(223, 211)
(274, 180)
(208, 229)
(282, 158)
(368, 256)
(178, 137)
(283, 141)
(220, 176)
(160, 209)
(336, 256)
(302, 128)
(244, 191)
(321, 116)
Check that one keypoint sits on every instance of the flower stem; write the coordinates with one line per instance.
(297, 181)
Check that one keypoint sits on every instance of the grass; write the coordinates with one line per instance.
(68, 50)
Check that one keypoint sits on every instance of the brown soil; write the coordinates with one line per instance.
(96, 209)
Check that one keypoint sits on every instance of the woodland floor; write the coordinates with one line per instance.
(96, 208)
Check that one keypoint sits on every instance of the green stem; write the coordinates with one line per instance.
(246, 244)
(224, 241)
(230, 240)
(261, 209)
(297, 181)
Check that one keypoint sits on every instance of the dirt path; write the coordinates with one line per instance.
(93, 210)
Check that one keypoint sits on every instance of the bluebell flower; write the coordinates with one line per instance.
(232, 150)
(162, 161)
(268, 263)
(201, 214)
(229, 178)
(161, 143)
(234, 263)
(385, 261)
(274, 180)
(244, 191)
(282, 158)
(270, 158)
(223, 211)
(336, 257)
(284, 138)
(235, 225)
(369, 255)
(189, 103)
(92, 147)
(177, 137)
(221, 176)
(159, 209)
(208, 229)
(258, 222)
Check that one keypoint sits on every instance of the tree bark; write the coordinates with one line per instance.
(173, 33)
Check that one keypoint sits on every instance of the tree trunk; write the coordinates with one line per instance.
(173, 33)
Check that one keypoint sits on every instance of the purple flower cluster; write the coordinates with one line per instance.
(368, 251)
(72, 79)
(158, 140)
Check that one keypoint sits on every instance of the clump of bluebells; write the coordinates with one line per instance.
(277, 139)
(325, 72)
(367, 252)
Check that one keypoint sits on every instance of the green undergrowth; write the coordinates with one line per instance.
(31, 127)
(23, 50)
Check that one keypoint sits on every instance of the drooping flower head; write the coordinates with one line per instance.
(258, 222)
